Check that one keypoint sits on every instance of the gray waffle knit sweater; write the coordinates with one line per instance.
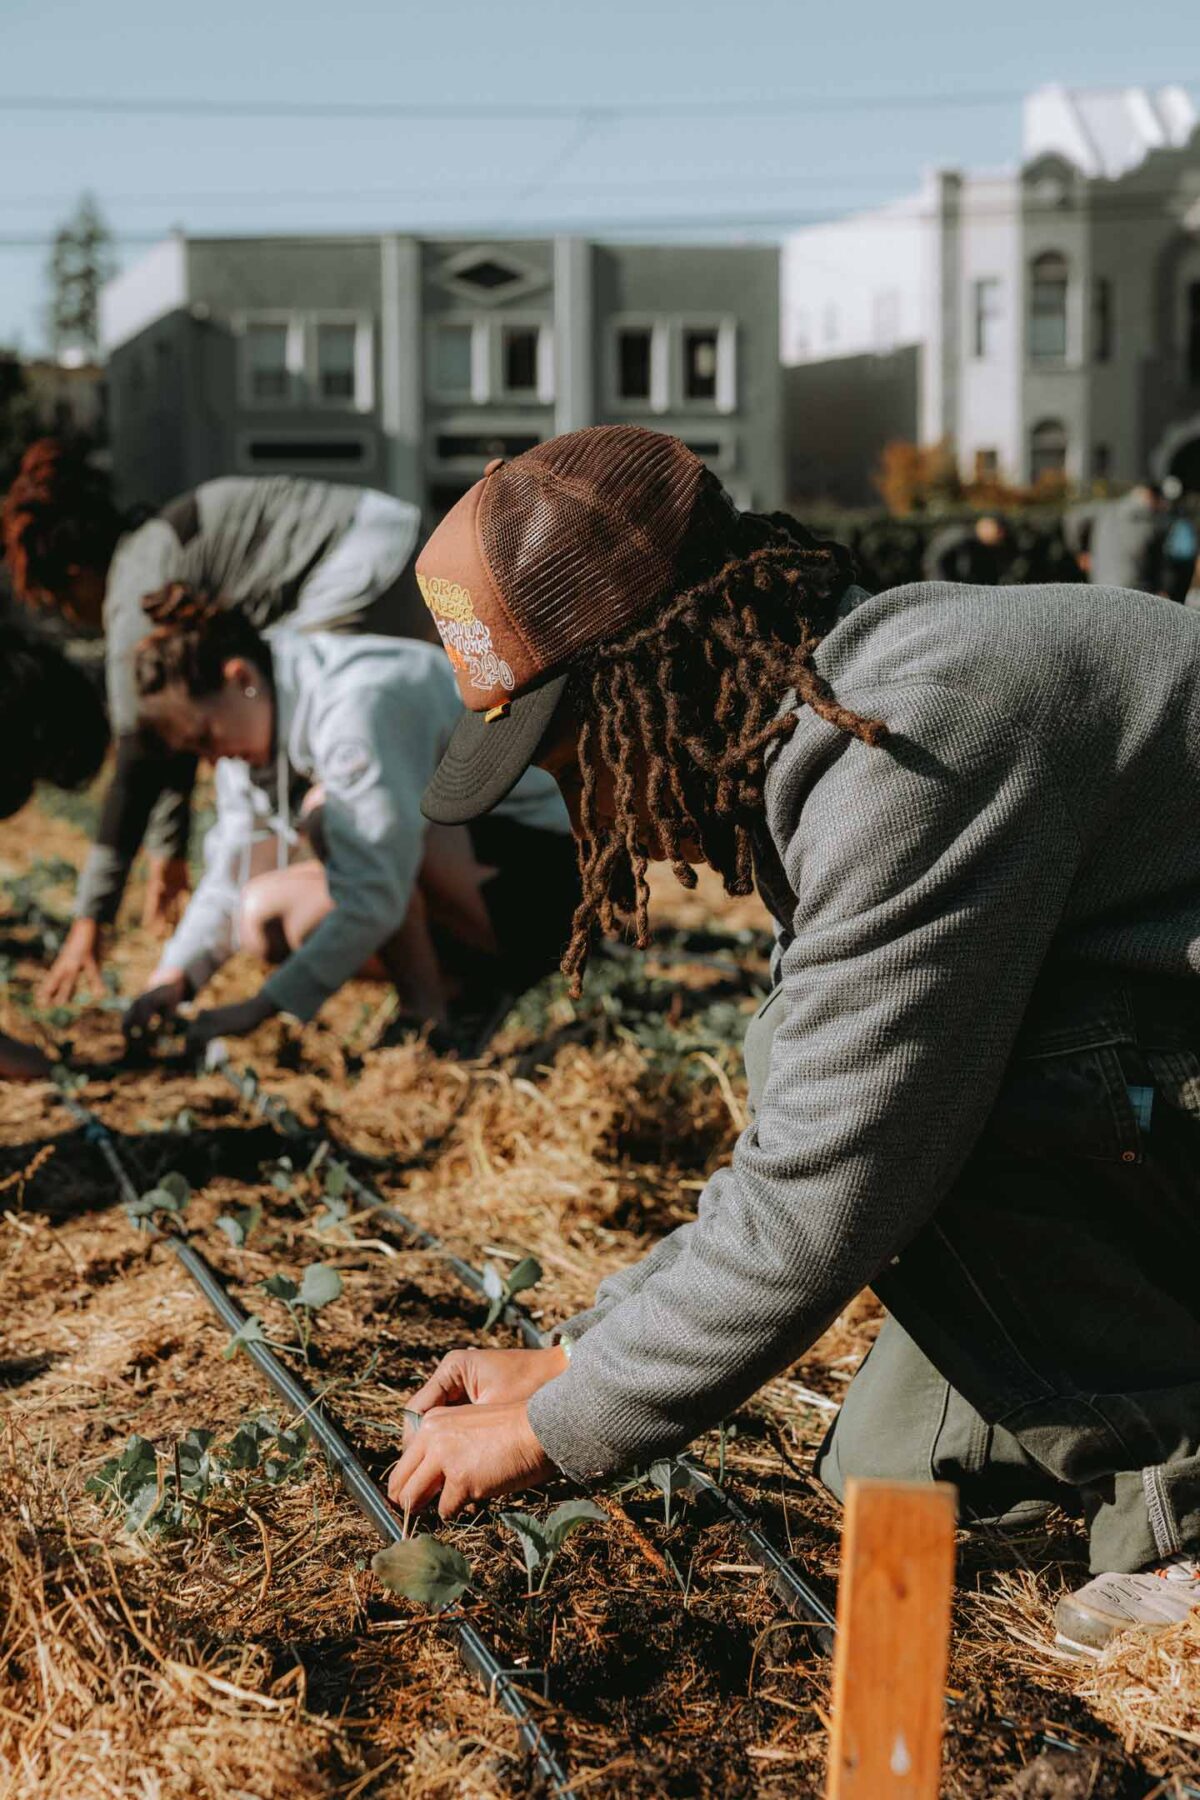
(1037, 801)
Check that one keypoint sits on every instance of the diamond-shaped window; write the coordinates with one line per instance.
(488, 274)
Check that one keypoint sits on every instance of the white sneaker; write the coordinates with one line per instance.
(1152, 1600)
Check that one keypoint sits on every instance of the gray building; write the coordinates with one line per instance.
(407, 363)
(1055, 308)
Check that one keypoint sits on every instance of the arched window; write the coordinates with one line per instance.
(1048, 308)
(1047, 449)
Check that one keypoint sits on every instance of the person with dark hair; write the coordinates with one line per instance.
(971, 550)
(272, 547)
(359, 722)
(52, 728)
(976, 1082)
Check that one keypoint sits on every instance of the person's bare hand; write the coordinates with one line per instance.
(461, 1454)
(77, 962)
(488, 1376)
(168, 885)
(22, 1062)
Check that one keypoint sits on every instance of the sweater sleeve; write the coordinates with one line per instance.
(932, 874)
(373, 756)
(206, 936)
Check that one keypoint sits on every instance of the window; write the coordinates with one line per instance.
(699, 365)
(267, 372)
(1101, 461)
(1103, 319)
(337, 347)
(987, 465)
(452, 359)
(635, 362)
(482, 446)
(338, 453)
(1193, 332)
(985, 315)
(519, 359)
(1047, 449)
(1048, 309)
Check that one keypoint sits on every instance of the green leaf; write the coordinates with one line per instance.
(320, 1284)
(280, 1287)
(246, 1442)
(335, 1214)
(249, 1333)
(337, 1179)
(142, 1507)
(527, 1274)
(535, 1546)
(568, 1517)
(124, 1475)
(238, 1224)
(423, 1570)
(670, 1478)
(178, 1186)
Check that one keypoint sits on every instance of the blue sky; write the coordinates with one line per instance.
(786, 64)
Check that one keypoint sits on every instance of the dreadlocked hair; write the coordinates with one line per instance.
(194, 636)
(683, 709)
(58, 514)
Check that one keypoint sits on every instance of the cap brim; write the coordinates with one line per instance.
(483, 761)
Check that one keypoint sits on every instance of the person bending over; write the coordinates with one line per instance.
(977, 1079)
(272, 547)
(361, 722)
(52, 728)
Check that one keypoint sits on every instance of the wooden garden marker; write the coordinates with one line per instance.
(893, 1636)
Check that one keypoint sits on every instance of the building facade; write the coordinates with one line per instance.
(407, 363)
(1055, 309)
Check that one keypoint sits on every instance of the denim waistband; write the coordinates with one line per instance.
(1083, 1009)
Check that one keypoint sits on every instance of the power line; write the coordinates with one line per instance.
(202, 106)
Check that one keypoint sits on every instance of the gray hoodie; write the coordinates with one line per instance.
(368, 718)
(1034, 808)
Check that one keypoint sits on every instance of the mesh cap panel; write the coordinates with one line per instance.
(583, 534)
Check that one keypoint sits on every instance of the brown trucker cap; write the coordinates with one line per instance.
(558, 550)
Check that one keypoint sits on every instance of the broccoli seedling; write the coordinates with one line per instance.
(541, 1541)
(670, 1478)
(169, 1198)
(501, 1289)
(424, 1570)
(318, 1285)
(238, 1224)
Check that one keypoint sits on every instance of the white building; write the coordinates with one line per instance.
(1054, 309)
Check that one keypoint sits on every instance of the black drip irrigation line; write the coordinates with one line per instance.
(499, 1682)
(792, 1588)
(790, 1585)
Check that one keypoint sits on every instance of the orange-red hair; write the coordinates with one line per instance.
(57, 514)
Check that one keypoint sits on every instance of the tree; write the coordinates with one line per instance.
(80, 263)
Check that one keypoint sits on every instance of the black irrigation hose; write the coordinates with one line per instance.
(792, 1587)
(476, 1653)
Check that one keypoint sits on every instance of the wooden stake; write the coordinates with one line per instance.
(893, 1637)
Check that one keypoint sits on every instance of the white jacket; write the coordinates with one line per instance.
(368, 718)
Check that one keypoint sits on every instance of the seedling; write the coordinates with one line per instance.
(238, 1224)
(424, 1570)
(318, 1285)
(541, 1541)
(167, 1200)
(283, 1175)
(670, 1478)
(501, 1289)
(158, 1495)
(66, 1079)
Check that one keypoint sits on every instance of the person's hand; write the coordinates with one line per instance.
(78, 961)
(488, 1376)
(168, 990)
(227, 1021)
(468, 1453)
(22, 1062)
(168, 885)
